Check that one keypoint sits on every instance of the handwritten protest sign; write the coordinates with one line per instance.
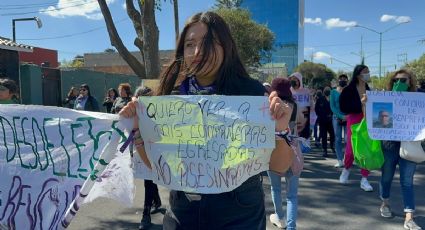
(206, 144)
(46, 154)
(397, 116)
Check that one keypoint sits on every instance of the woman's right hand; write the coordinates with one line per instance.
(129, 110)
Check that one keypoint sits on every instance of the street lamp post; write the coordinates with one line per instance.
(37, 19)
(380, 41)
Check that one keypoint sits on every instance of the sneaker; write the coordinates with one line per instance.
(343, 179)
(339, 164)
(411, 225)
(280, 223)
(386, 211)
(364, 184)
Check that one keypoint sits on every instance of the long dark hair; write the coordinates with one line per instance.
(231, 70)
(85, 86)
(112, 90)
(356, 73)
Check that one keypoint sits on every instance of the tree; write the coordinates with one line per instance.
(147, 36)
(418, 67)
(110, 50)
(77, 62)
(176, 18)
(253, 40)
(315, 75)
(229, 4)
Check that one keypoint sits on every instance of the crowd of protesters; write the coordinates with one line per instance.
(221, 72)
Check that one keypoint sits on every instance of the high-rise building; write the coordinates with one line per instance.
(286, 19)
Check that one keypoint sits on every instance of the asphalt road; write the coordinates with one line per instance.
(323, 202)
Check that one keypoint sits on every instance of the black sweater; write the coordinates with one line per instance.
(349, 100)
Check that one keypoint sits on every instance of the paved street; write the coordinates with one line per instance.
(323, 203)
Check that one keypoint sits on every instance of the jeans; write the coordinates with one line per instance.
(291, 197)
(242, 208)
(338, 129)
(407, 171)
(349, 156)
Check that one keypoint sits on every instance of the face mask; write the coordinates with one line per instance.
(400, 86)
(366, 77)
(319, 94)
(327, 93)
(342, 83)
(294, 83)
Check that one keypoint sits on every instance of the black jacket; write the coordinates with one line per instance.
(349, 100)
(323, 110)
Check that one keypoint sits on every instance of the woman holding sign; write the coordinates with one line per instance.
(207, 62)
(402, 80)
(351, 105)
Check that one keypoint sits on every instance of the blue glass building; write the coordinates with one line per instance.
(286, 19)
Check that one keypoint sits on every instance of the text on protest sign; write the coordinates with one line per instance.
(46, 154)
(206, 144)
(397, 116)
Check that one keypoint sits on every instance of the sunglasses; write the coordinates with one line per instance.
(403, 80)
(83, 90)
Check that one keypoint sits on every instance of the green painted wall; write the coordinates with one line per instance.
(98, 82)
(31, 85)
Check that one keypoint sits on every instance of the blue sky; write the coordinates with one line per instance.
(81, 29)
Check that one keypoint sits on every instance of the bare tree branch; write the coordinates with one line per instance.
(136, 18)
(116, 41)
(150, 38)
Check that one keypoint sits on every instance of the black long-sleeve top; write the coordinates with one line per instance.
(349, 100)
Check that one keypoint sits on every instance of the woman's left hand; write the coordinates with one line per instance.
(280, 111)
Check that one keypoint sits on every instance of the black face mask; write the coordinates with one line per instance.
(319, 94)
(327, 93)
(294, 83)
(342, 83)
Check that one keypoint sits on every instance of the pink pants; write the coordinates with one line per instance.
(349, 157)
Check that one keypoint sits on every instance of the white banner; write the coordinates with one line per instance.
(46, 154)
(398, 116)
(206, 144)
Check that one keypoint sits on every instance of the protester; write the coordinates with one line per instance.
(72, 95)
(421, 87)
(324, 117)
(402, 80)
(302, 97)
(206, 61)
(351, 104)
(339, 120)
(282, 87)
(316, 134)
(125, 93)
(8, 88)
(152, 198)
(85, 101)
(109, 100)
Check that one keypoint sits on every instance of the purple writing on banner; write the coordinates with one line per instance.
(41, 208)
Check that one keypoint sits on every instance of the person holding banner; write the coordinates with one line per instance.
(207, 62)
(282, 87)
(339, 120)
(152, 198)
(351, 104)
(401, 80)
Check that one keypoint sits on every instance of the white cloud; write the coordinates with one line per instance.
(398, 19)
(66, 8)
(315, 21)
(321, 55)
(338, 23)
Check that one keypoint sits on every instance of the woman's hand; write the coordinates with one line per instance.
(364, 99)
(129, 111)
(280, 111)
